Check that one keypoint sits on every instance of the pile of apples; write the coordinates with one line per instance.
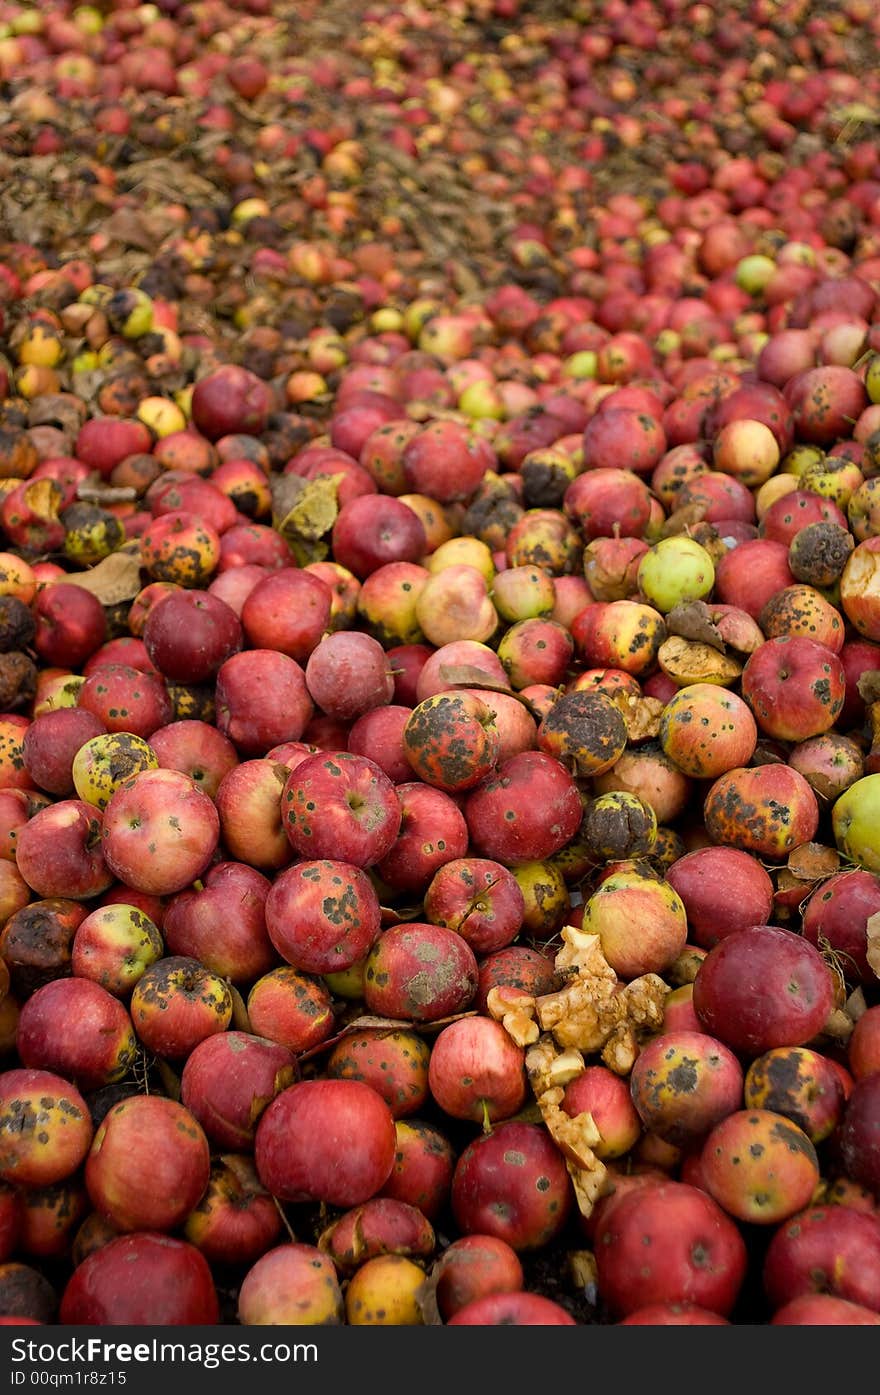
(439, 535)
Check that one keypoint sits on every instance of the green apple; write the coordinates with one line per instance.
(101, 764)
(855, 820)
(675, 570)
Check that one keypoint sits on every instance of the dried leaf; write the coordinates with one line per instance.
(584, 1273)
(868, 684)
(873, 933)
(241, 1022)
(693, 620)
(810, 862)
(469, 676)
(681, 520)
(115, 579)
(686, 661)
(426, 1297)
(304, 513)
(856, 1004)
(389, 1024)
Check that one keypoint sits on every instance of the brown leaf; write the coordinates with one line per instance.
(873, 934)
(388, 1024)
(469, 676)
(680, 520)
(693, 620)
(241, 1022)
(115, 579)
(426, 1297)
(811, 862)
(868, 684)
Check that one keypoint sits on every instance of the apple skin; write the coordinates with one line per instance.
(696, 877)
(291, 1284)
(527, 811)
(53, 1128)
(159, 832)
(348, 674)
(262, 700)
(495, 1189)
(221, 922)
(248, 801)
(824, 1310)
(325, 1140)
(854, 822)
(98, 1050)
(71, 625)
(759, 1165)
(795, 687)
(231, 400)
(51, 743)
(375, 529)
(838, 911)
(360, 812)
(127, 700)
(59, 851)
(176, 1003)
(476, 1071)
(322, 916)
(191, 635)
(228, 1080)
(288, 611)
(683, 1083)
(858, 1140)
(763, 987)
(113, 945)
(196, 749)
(103, 762)
(397, 985)
(474, 1266)
(707, 730)
(480, 899)
(141, 1279)
(236, 1219)
(675, 1225)
(766, 810)
(148, 1165)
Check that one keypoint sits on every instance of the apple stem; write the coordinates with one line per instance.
(487, 1122)
(198, 884)
(284, 1221)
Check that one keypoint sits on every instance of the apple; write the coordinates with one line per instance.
(159, 831)
(360, 811)
(291, 1284)
(191, 635)
(176, 1003)
(652, 1247)
(227, 1081)
(53, 1130)
(262, 700)
(113, 945)
(59, 852)
(138, 1275)
(99, 1051)
(221, 921)
(325, 1140)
